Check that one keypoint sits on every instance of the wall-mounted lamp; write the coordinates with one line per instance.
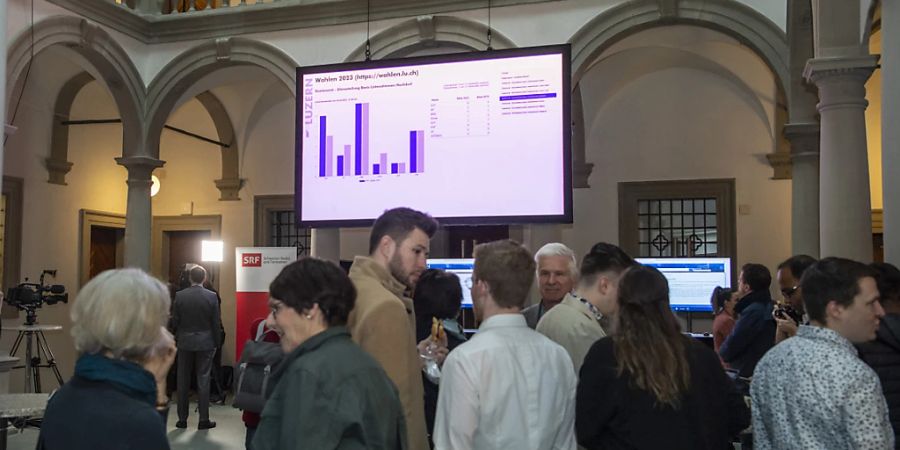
(212, 251)
(154, 188)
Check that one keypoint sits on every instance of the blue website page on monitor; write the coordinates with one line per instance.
(462, 267)
(692, 280)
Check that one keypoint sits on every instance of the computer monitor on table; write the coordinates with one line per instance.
(692, 280)
(462, 267)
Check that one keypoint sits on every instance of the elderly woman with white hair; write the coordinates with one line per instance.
(125, 352)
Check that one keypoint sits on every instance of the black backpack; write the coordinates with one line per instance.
(254, 370)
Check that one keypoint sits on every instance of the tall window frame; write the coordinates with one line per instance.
(720, 191)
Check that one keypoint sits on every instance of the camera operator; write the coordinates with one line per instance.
(790, 313)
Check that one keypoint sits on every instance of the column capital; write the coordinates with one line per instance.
(818, 69)
(804, 139)
(57, 170)
(581, 172)
(139, 167)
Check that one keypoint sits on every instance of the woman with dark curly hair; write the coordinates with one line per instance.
(328, 392)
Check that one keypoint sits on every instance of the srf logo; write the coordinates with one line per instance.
(251, 260)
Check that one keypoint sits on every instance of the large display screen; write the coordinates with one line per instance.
(471, 138)
(463, 268)
(692, 280)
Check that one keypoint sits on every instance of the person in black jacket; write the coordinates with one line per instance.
(196, 325)
(883, 354)
(754, 332)
(114, 399)
(438, 296)
(650, 387)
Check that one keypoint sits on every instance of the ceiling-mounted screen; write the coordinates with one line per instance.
(471, 138)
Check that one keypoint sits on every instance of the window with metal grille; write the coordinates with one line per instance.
(283, 232)
(679, 218)
(677, 227)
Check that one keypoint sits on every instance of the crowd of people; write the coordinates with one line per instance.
(376, 359)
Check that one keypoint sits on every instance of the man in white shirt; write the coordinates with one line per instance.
(508, 387)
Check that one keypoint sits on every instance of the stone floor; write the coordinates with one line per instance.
(228, 434)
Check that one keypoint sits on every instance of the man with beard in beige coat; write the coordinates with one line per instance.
(383, 321)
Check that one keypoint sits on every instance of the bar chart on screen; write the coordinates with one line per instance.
(358, 158)
(432, 134)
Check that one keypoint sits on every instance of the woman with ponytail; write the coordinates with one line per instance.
(648, 386)
(723, 302)
(328, 393)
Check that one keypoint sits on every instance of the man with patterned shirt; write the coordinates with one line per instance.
(813, 391)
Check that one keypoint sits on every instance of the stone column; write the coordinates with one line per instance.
(326, 244)
(138, 215)
(802, 132)
(804, 138)
(890, 131)
(845, 213)
(3, 44)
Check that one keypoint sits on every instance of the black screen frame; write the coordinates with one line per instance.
(562, 49)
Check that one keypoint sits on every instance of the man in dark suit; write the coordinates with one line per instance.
(195, 324)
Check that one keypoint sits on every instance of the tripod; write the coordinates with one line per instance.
(36, 350)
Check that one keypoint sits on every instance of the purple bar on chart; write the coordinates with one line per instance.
(402, 168)
(412, 152)
(384, 164)
(394, 167)
(322, 160)
(420, 151)
(340, 166)
(375, 169)
(329, 156)
(347, 160)
(358, 141)
(365, 138)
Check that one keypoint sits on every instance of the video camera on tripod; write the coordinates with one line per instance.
(29, 297)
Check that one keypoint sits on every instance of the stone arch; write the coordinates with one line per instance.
(230, 184)
(176, 79)
(731, 18)
(101, 51)
(429, 31)
(58, 164)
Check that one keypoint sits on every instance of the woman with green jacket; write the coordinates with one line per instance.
(329, 393)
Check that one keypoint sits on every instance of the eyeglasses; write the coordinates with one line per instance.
(787, 292)
(469, 282)
(274, 307)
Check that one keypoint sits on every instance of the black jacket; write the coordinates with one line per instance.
(753, 334)
(883, 355)
(196, 321)
(610, 413)
(96, 415)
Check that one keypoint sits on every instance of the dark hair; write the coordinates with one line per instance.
(648, 343)
(757, 276)
(508, 270)
(797, 264)
(604, 257)
(720, 296)
(438, 294)
(398, 223)
(887, 276)
(831, 279)
(198, 274)
(310, 281)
